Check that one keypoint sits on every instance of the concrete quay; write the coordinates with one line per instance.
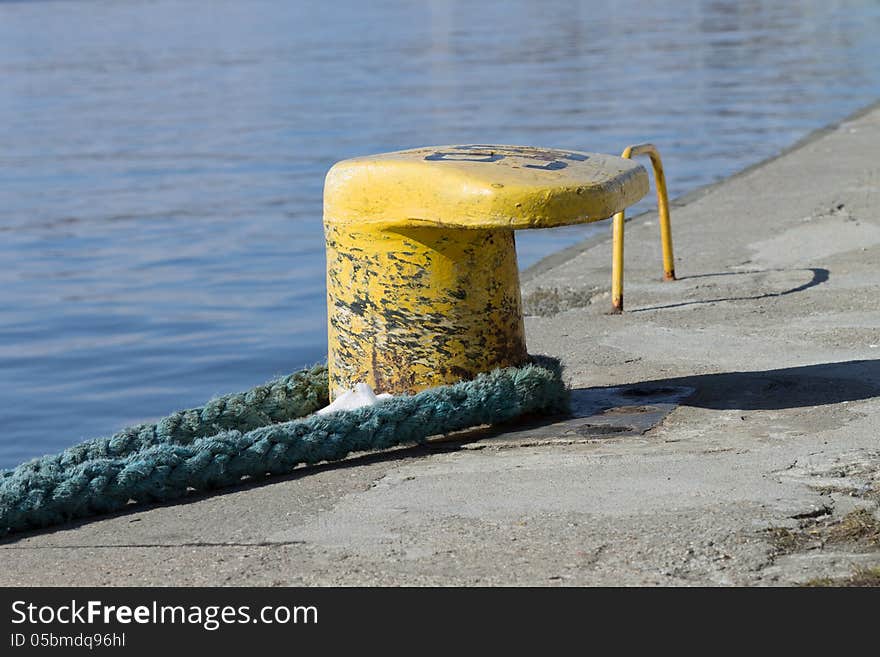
(727, 428)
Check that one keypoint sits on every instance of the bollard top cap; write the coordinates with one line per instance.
(482, 186)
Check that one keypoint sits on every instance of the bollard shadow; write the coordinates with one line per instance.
(598, 414)
(633, 409)
(778, 389)
(819, 275)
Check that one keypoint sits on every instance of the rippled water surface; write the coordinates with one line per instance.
(161, 162)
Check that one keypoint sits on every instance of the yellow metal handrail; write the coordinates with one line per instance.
(665, 227)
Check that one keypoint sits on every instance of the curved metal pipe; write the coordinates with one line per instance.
(665, 227)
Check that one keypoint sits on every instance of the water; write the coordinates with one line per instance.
(161, 162)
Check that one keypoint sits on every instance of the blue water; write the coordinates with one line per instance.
(161, 161)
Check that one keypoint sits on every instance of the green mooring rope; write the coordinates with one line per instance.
(256, 433)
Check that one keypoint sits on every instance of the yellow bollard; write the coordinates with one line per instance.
(422, 279)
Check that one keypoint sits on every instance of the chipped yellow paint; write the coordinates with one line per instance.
(422, 279)
(415, 307)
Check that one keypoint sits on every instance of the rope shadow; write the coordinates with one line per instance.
(447, 443)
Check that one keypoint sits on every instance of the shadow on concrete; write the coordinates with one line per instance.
(791, 387)
(396, 455)
(820, 275)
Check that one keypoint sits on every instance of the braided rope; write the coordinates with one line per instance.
(188, 452)
(289, 397)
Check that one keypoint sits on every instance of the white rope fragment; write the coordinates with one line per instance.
(361, 395)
